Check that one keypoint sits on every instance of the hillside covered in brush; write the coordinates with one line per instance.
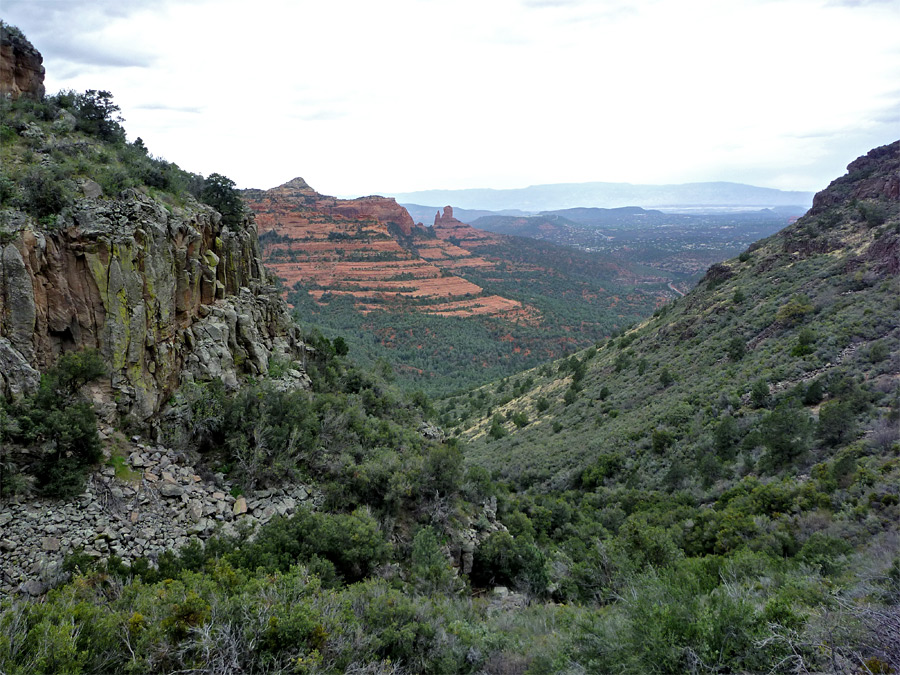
(188, 485)
(786, 327)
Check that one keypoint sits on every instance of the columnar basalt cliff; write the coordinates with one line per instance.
(21, 65)
(165, 296)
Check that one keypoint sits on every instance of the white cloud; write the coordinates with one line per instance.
(410, 94)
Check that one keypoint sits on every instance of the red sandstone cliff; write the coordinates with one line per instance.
(21, 69)
(370, 249)
(296, 195)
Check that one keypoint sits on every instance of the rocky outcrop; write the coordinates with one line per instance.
(370, 249)
(874, 176)
(155, 502)
(165, 295)
(382, 210)
(447, 227)
(446, 218)
(21, 65)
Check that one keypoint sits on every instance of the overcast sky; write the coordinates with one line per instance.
(363, 97)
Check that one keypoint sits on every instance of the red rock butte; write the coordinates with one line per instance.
(371, 250)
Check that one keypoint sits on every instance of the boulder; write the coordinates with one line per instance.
(170, 490)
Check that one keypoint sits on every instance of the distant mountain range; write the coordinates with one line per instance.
(690, 196)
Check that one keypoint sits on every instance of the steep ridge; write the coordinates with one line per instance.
(368, 249)
(815, 303)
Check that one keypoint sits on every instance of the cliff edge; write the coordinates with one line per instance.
(21, 65)
(165, 297)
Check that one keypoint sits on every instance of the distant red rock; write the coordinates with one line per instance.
(370, 249)
(297, 192)
(447, 227)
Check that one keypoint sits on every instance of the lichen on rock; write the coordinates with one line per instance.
(164, 297)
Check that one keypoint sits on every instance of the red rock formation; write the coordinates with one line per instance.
(447, 227)
(21, 69)
(370, 249)
(297, 193)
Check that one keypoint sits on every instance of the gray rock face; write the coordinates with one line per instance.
(17, 377)
(19, 296)
(166, 297)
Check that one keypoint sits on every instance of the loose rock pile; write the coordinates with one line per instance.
(160, 503)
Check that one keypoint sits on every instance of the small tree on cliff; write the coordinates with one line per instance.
(220, 193)
(58, 422)
(96, 114)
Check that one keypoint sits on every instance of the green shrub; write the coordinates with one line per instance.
(352, 543)
(44, 194)
(666, 378)
(736, 348)
(672, 620)
(794, 311)
(220, 193)
(61, 425)
(509, 561)
(608, 464)
(727, 436)
(660, 440)
(826, 552)
(397, 628)
(442, 469)
(759, 394)
(814, 393)
(878, 351)
(183, 616)
(430, 569)
(785, 433)
(837, 423)
(805, 340)
(97, 115)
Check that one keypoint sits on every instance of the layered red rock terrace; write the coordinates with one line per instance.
(370, 249)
